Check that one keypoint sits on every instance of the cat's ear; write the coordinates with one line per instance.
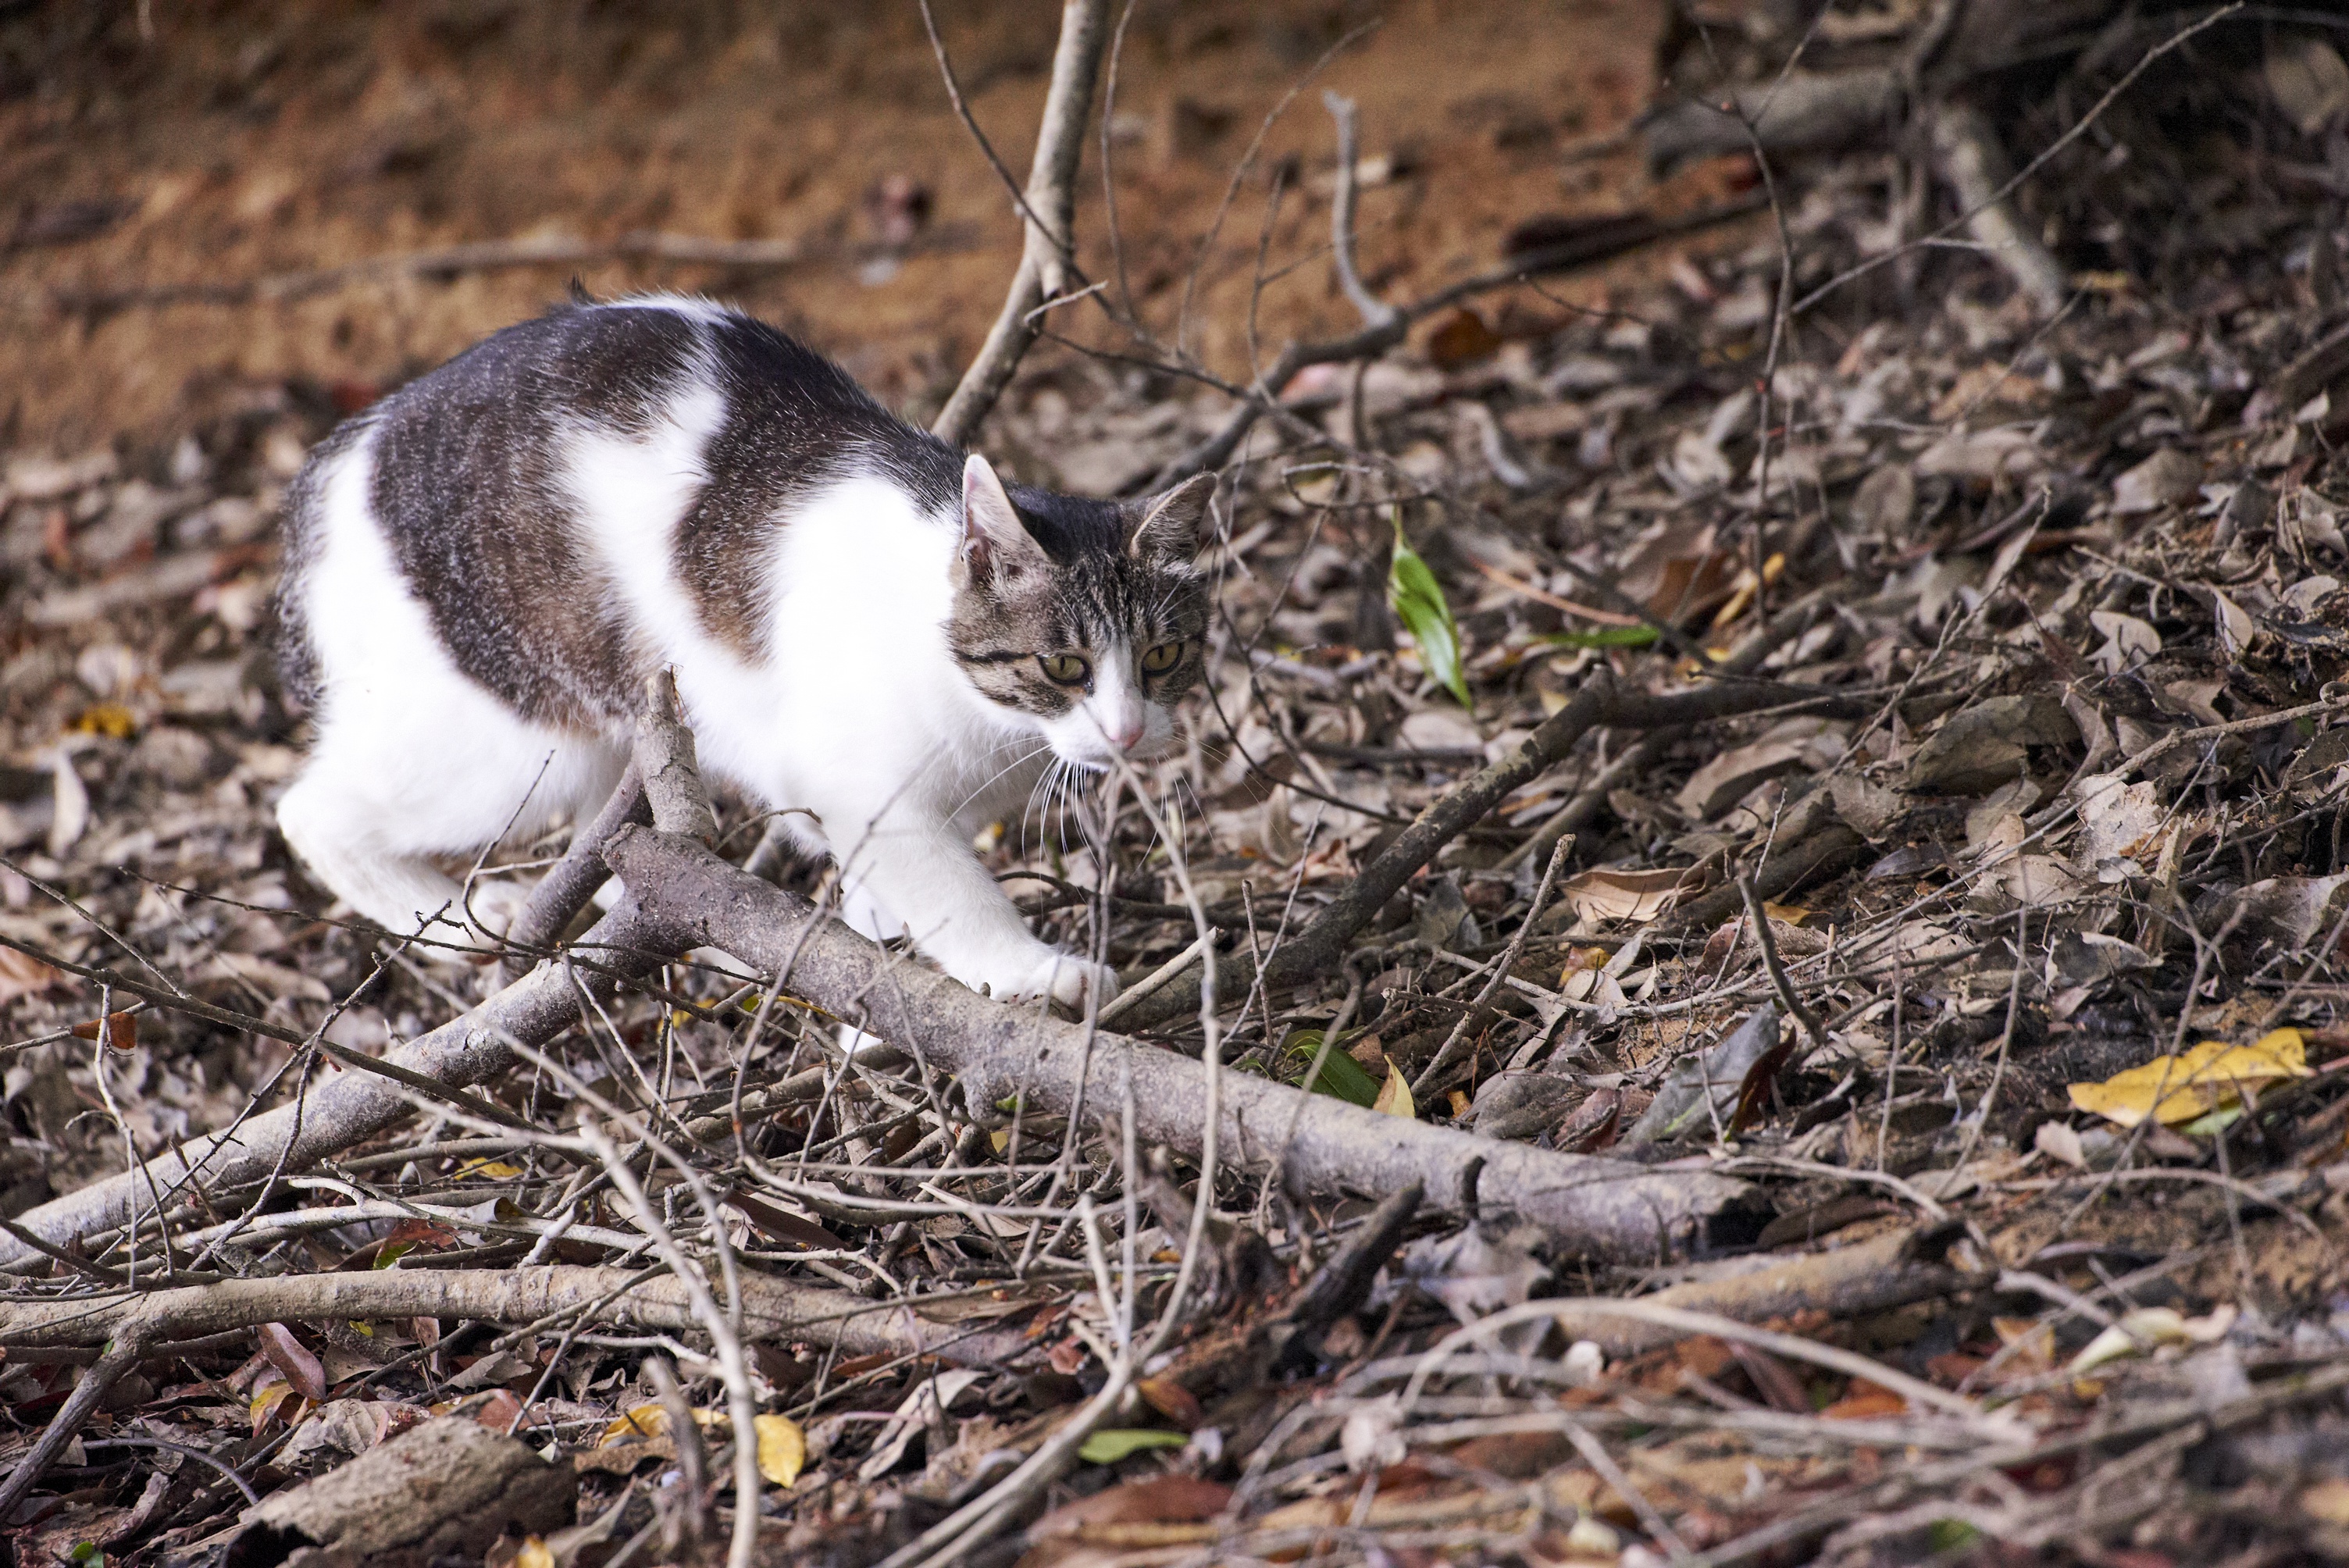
(993, 538)
(1169, 529)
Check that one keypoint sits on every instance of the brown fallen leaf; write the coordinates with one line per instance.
(1609, 894)
(301, 1368)
(22, 974)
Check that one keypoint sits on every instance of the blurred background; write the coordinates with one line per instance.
(174, 177)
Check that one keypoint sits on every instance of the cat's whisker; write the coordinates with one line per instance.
(1037, 794)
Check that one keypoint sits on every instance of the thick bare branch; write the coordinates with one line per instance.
(1967, 151)
(565, 889)
(773, 1309)
(1806, 112)
(466, 1050)
(1596, 1208)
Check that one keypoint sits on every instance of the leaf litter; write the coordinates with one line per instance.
(2077, 586)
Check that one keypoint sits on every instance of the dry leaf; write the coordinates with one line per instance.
(2148, 1328)
(2327, 1501)
(1606, 894)
(301, 1368)
(2058, 1140)
(2236, 627)
(2002, 453)
(640, 1421)
(782, 1449)
(122, 1031)
(1109, 1517)
(2128, 642)
(22, 974)
(2117, 818)
(1395, 1096)
(1866, 1402)
(2166, 476)
(70, 818)
(2308, 78)
(2179, 1088)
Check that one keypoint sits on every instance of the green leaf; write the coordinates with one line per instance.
(1111, 1444)
(1341, 1077)
(1604, 637)
(1419, 604)
(1949, 1535)
(2211, 1123)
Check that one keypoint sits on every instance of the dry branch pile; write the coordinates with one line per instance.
(1745, 806)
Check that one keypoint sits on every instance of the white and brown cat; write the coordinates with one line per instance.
(868, 629)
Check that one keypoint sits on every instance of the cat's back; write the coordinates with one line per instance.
(575, 500)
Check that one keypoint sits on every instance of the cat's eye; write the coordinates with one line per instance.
(1161, 658)
(1065, 669)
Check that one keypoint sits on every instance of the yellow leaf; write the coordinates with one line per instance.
(496, 1170)
(107, 718)
(1583, 961)
(1459, 1103)
(534, 1555)
(1792, 914)
(643, 1421)
(2327, 1501)
(2181, 1088)
(1395, 1096)
(782, 1449)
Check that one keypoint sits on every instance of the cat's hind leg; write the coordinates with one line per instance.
(412, 762)
(378, 811)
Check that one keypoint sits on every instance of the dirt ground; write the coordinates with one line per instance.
(160, 146)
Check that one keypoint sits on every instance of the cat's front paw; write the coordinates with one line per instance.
(1058, 975)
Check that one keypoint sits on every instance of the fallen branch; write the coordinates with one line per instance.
(774, 1311)
(1051, 202)
(479, 1045)
(443, 1492)
(571, 880)
(1872, 1276)
(1594, 1207)
(1967, 152)
(333, 1116)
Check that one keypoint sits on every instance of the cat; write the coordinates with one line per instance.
(870, 632)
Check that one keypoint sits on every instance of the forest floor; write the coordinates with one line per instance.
(2029, 1077)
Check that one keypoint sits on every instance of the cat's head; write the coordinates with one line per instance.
(1085, 617)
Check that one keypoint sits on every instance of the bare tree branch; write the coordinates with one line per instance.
(1048, 256)
(1967, 152)
(1596, 1208)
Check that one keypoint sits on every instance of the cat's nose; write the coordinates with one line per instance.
(1124, 733)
